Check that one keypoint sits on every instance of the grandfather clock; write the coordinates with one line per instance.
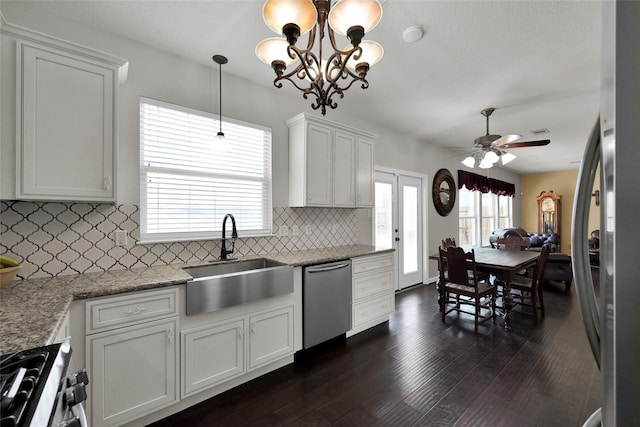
(549, 212)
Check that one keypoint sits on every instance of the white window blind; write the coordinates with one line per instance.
(190, 179)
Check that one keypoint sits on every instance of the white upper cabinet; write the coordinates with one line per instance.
(330, 165)
(344, 147)
(67, 120)
(365, 175)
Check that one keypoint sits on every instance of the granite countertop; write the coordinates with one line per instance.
(32, 310)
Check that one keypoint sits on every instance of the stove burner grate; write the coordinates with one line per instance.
(22, 377)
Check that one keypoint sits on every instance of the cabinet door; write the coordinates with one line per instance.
(318, 159)
(66, 127)
(365, 173)
(271, 336)
(133, 371)
(211, 354)
(344, 145)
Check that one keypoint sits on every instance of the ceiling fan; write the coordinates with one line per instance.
(488, 149)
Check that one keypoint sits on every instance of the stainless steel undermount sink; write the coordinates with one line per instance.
(216, 286)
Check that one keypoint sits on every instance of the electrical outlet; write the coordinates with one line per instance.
(283, 230)
(308, 229)
(120, 237)
(295, 230)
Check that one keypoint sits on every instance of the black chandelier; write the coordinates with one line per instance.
(313, 75)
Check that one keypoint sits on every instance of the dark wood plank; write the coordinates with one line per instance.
(417, 370)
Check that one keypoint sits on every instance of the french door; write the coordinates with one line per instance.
(398, 224)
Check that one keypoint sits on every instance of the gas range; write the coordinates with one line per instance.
(36, 389)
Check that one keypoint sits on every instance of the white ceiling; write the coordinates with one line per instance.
(537, 62)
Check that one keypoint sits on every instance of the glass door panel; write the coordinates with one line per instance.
(410, 227)
(383, 221)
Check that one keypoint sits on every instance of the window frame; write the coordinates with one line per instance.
(478, 217)
(260, 209)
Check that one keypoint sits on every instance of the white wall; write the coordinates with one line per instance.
(157, 74)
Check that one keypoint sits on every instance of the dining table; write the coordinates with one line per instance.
(503, 265)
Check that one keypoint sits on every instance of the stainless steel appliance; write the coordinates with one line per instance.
(611, 322)
(326, 302)
(37, 389)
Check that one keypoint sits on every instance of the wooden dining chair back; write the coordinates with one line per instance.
(530, 288)
(463, 282)
(513, 242)
(448, 242)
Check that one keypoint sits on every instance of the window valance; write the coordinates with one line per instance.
(475, 182)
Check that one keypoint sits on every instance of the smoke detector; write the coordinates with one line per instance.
(412, 34)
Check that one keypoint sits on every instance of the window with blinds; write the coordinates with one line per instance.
(190, 179)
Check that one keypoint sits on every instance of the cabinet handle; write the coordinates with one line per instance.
(135, 311)
(240, 333)
(308, 197)
(170, 335)
(107, 183)
(253, 328)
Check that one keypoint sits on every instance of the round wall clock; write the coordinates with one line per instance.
(444, 192)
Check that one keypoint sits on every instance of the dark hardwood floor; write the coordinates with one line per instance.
(418, 371)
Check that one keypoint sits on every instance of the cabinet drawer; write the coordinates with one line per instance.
(130, 309)
(372, 263)
(365, 285)
(368, 310)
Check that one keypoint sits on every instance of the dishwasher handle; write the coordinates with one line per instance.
(329, 268)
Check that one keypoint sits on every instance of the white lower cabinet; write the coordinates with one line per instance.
(133, 371)
(271, 336)
(211, 355)
(146, 359)
(373, 291)
(215, 353)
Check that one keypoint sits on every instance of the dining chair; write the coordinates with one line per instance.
(448, 242)
(513, 242)
(530, 288)
(464, 283)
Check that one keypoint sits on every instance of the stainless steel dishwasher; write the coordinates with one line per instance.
(326, 300)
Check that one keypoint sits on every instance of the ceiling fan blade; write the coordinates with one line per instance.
(505, 140)
(525, 144)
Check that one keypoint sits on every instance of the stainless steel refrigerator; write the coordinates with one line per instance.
(612, 321)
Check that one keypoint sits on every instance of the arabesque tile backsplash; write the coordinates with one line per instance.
(54, 239)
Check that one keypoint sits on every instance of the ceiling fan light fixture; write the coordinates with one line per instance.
(469, 162)
(485, 165)
(507, 157)
(491, 157)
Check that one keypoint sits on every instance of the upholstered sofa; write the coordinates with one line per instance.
(537, 240)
